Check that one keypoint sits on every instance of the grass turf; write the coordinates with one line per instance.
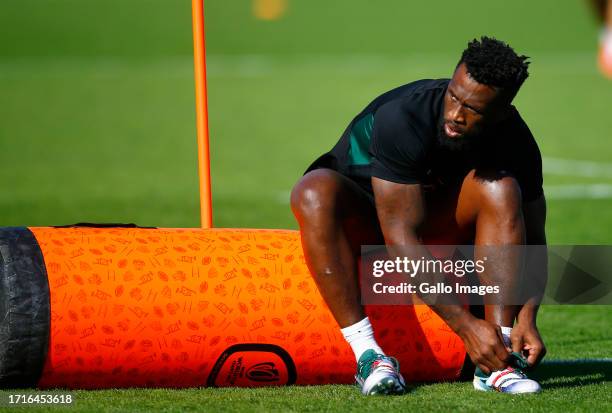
(577, 387)
(98, 125)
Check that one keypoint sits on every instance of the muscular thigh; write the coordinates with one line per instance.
(336, 202)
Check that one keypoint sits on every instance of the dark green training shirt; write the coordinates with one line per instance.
(395, 138)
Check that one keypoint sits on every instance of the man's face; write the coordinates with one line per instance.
(469, 107)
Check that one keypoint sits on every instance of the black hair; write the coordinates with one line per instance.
(494, 63)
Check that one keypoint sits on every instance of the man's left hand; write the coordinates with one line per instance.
(526, 340)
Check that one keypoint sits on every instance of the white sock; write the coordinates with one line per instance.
(506, 331)
(360, 337)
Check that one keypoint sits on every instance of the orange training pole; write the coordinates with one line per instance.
(199, 57)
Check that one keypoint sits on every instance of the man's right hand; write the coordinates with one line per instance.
(484, 344)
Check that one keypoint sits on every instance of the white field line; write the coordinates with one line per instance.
(255, 65)
(262, 65)
(570, 362)
(572, 167)
(578, 168)
(587, 191)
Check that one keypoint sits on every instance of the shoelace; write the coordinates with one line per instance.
(383, 365)
(380, 362)
(507, 375)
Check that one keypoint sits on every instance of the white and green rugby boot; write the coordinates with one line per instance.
(378, 374)
(511, 380)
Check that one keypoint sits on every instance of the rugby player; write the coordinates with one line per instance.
(445, 161)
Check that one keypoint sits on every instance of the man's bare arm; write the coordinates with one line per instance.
(525, 336)
(534, 214)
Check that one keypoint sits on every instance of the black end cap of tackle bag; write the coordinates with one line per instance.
(24, 309)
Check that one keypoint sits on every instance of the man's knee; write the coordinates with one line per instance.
(314, 193)
(502, 201)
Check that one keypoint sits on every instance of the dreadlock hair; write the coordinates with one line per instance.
(494, 63)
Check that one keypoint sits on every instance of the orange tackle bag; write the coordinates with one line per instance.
(111, 307)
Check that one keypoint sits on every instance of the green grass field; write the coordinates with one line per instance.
(97, 124)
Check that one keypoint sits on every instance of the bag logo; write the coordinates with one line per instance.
(266, 372)
(253, 365)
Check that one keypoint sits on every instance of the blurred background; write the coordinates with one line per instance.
(97, 104)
